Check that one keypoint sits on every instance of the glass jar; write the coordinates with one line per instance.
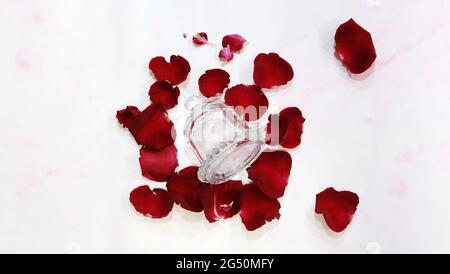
(224, 143)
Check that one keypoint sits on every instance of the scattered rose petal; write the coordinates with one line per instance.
(234, 41)
(184, 188)
(286, 128)
(200, 39)
(158, 165)
(151, 127)
(221, 201)
(151, 203)
(354, 47)
(176, 71)
(337, 207)
(226, 54)
(271, 70)
(213, 82)
(257, 208)
(248, 100)
(271, 171)
(163, 93)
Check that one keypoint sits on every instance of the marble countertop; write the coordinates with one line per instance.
(67, 167)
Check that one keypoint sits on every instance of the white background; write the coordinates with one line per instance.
(67, 167)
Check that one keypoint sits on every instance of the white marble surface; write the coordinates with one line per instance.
(66, 166)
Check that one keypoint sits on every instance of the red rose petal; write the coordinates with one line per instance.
(213, 82)
(184, 188)
(200, 39)
(248, 100)
(163, 93)
(221, 201)
(271, 171)
(354, 47)
(151, 127)
(234, 41)
(158, 165)
(152, 203)
(286, 128)
(257, 208)
(226, 54)
(337, 207)
(271, 70)
(176, 71)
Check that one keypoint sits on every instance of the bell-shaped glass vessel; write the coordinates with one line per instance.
(223, 142)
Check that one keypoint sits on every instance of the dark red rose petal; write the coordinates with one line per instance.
(271, 171)
(234, 41)
(200, 39)
(286, 128)
(158, 165)
(213, 82)
(354, 47)
(151, 127)
(248, 101)
(257, 208)
(126, 115)
(271, 70)
(184, 188)
(226, 54)
(175, 72)
(221, 201)
(337, 207)
(151, 203)
(163, 93)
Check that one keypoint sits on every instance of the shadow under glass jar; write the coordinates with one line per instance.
(223, 142)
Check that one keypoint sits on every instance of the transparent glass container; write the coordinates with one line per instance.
(223, 142)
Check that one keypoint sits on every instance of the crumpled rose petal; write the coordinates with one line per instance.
(286, 128)
(200, 39)
(248, 101)
(176, 71)
(163, 93)
(271, 70)
(221, 201)
(158, 165)
(226, 54)
(154, 203)
(257, 208)
(184, 188)
(337, 207)
(213, 82)
(354, 47)
(234, 41)
(151, 127)
(271, 171)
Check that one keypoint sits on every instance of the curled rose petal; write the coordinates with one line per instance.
(163, 93)
(257, 208)
(271, 171)
(248, 101)
(354, 47)
(151, 203)
(226, 54)
(175, 71)
(271, 70)
(286, 128)
(213, 82)
(221, 201)
(200, 39)
(184, 188)
(151, 127)
(337, 207)
(234, 41)
(158, 165)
